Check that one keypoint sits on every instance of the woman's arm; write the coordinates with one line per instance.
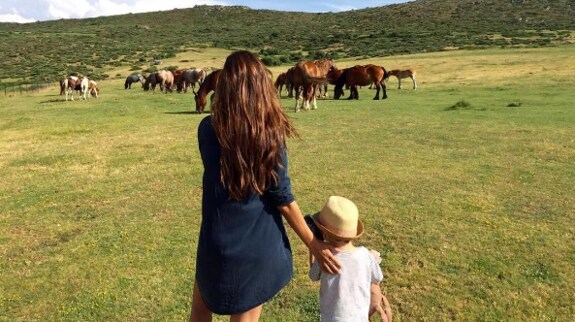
(319, 249)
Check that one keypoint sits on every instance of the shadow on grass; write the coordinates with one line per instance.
(182, 113)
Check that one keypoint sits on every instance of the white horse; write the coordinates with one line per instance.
(84, 87)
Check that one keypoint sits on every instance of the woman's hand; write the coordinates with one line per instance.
(323, 254)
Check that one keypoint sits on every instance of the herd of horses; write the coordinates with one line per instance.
(306, 81)
(309, 80)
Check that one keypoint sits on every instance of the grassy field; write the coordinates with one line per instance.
(465, 186)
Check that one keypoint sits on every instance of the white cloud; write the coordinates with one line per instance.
(84, 8)
(14, 16)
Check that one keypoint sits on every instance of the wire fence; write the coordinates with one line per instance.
(24, 88)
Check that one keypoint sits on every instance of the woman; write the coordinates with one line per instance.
(244, 256)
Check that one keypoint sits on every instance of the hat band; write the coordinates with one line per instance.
(340, 232)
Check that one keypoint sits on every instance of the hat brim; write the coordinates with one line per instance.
(326, 231)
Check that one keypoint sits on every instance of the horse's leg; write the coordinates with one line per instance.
(297, 97)
(351, 93)
(398, 82)
(414, 82)
(307, 93)
(377, 89)
(384, 89)
(314, 99)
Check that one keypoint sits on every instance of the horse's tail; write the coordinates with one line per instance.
(386, 74)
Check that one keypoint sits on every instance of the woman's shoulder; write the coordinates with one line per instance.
(205, 126)
(206, 122)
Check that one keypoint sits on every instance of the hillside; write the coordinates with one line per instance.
(44, 51)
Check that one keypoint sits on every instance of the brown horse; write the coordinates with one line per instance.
(307, 75)
(207, 86)
(281, 82)
(361, 75)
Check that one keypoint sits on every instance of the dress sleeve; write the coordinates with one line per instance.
(281, 194)
(314, 271)
(376, 274)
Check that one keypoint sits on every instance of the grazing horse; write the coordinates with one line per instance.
(406, 73)
(133, 79)
(207, 86)
(307, 75)
(166, 82)
(93, 88)
(361, 75)
(151, 81)
(188, 78)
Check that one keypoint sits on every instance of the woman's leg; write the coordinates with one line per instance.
(252, 315)
(200, 312)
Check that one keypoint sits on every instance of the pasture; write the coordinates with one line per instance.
(465, 186)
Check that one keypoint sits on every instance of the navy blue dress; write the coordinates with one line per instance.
(244, 256)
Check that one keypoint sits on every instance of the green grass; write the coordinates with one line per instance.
(471, 207)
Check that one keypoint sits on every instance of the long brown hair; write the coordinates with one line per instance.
(250, 124)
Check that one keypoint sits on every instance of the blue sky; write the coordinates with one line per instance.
(24, 11)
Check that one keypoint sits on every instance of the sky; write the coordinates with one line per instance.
(24, 11)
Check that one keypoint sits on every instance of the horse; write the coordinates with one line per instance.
(207, 86)
(361, 75)
(307, 75)
(133, 79)
(166, 82)
(62, 87)
(151, 81)
(289, 81)
(186, 78)
(73, 84)
(280, 82)
(406, 73)
(93, 88)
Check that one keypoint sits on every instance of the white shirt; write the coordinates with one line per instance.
(345, 297)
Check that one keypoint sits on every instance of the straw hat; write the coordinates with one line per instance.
(339, 218)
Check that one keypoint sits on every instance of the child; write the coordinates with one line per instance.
(347, 296)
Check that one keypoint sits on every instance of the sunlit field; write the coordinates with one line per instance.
(465, 186)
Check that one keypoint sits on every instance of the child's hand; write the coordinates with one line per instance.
(377, 299)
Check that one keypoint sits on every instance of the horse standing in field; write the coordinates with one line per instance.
(400, 74)
(133, 79)
(188, 78)
(207, 86)
(73, 84)
(361, 75)
(281, 82)
(307, 75)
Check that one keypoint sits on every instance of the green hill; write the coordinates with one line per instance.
(44, 51)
